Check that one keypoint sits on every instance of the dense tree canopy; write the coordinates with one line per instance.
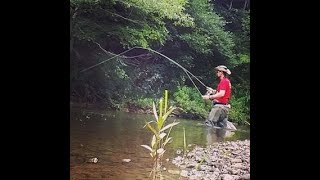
(198, 34)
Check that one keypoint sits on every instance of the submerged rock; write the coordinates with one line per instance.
(126, 160)
(93, 160)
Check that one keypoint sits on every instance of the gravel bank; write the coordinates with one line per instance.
(227, 160)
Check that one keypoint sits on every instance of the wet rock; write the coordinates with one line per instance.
(236, 152)
(224, 171)
(236, 177)
(183, 166)
(245, 176)
(179, 151)
(218, 165)
(237, 166)
(226, 177)
(184, 173)
(126, 160)
(180, 158)
(191, 165)
(205, 168)
(222, 160)
(93, 160)
(235, 171)
(236, 160)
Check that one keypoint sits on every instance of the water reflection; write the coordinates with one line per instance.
(218, 135)
(215, 135)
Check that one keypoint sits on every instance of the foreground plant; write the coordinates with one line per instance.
(184, 143)
(160, 137)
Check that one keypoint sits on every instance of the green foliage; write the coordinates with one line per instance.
(85, 1)
(209, 30)
(87, 29)
(186, 60)
(132, 22)
(240, 99)
(173, 10)
(199, 42)
(241, 59)
(121, 73)
(244, 43)
(245, 22)
(143, 102)
(237, 22)
(141, 36)
(240, 109)
(191, 101)
(199, 34)
(152, 15)
(244, 58)
(160, 134)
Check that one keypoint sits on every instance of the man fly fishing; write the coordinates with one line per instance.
(220, 97)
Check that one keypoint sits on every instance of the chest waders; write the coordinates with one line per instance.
(218, 115)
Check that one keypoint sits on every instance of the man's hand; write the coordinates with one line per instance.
(205, 97)
(210, 91)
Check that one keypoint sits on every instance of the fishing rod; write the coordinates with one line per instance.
(149, 49)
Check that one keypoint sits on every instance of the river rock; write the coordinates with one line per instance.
(93, 160)
(126, 160)
(221, 160)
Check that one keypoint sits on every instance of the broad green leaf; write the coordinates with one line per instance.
(167, 140)
(165, 100)
(160, 107)
(162, 135)
(153, 142)
(160, 122)
(147, 123)
(160, 151)
(169, 125)
(152, 129)
(155, 111)
(147, 147)
(165, 116)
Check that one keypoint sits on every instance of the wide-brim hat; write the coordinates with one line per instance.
(223, 68)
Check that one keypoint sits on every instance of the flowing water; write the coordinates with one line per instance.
(111, 136)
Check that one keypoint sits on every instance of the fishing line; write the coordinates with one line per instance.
(107, 59)
(184, 69)
(193, 82)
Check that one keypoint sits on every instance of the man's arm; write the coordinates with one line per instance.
(214, 96)
(210, 91)
(217, 95)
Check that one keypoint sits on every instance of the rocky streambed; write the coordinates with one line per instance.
(229, 160)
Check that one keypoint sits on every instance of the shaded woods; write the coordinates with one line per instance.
(197, 34)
